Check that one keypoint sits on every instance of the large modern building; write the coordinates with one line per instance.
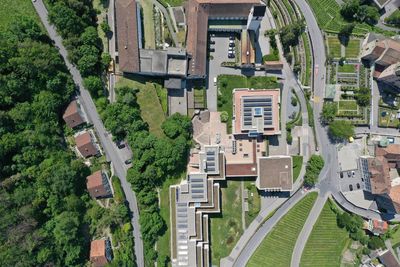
(203, 16)
(384, 53)
(256, 112)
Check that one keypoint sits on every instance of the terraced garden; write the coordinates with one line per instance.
(347, 68)
(276, 249)
(334, 47)
(353, 48)
(329, 18)
(326, 242)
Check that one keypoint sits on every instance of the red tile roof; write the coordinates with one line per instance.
(71, 116)
(98, 253)
(95, 186)
(85, 145)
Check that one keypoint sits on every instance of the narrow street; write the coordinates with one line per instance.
(111, 151)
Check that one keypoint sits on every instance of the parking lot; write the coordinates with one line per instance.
(351, 181)
(219, 55)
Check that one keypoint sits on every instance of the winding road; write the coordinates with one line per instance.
(327, 185)
(111, 151)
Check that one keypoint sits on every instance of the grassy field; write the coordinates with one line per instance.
(163, 243)
(353, 48)
(347, 105)
(226, 84)
(10, 9)
(326, 242)
(297, 163)
(148, 24)
(277, 247)
(347, 68)
(150, 106)
(226, 228)
(254, 202)
(334, 47)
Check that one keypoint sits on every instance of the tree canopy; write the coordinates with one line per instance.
(341, 129)
(329, 111)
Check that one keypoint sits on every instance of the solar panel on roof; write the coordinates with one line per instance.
(196, 180)
(197, 196)
(197, 191)
(197, 185)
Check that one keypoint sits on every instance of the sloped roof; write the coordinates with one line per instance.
(127, 35)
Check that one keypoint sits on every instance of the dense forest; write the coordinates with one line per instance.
(42, 184)
(46, 216)
(154, 160)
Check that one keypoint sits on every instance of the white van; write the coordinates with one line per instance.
(215, 80)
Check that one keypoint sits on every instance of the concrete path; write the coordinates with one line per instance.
(111, 151)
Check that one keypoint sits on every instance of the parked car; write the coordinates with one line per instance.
(349, 174)
(128, 161)
(358, 186)
(341, 174)
(231, 55)
(212, 42)
(232, 44)
(120, 144)
(231, 38)
(351, 187)
(212, 49)
(353, 173)
(231, 49)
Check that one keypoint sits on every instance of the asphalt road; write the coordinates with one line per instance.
(108, 145)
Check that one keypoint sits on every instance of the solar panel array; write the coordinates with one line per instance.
(197, 185)
(182, 232)
(255, 107)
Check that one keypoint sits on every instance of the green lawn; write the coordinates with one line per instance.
(395, 239)
(226, 84)
(163, 243)
(353, 48)
(226, 228)
(148, 24)
(200, 98)
(308, 59)
(254, 202)
(387, 118)
(347, 68)
(10, 9)
(277, 247)
(347, 105)
(297, 164)
(326, 242)
(171, 2)
(334, 47)
(150, 106)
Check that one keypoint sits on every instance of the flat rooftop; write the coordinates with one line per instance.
(275, 173)
(256, 111)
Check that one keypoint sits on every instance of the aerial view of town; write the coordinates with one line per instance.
(200, 133)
